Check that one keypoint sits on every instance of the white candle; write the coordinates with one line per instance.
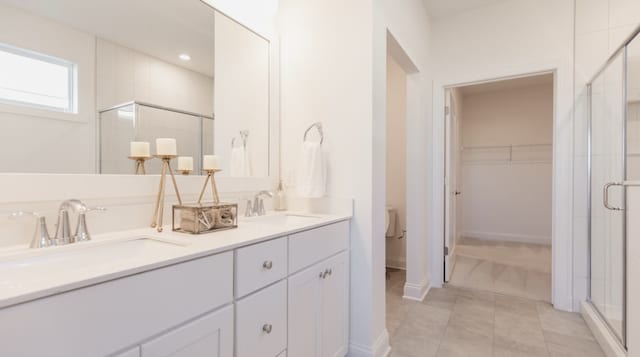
(166, 146)
(185, 163)
(210, 162)
(140, 149)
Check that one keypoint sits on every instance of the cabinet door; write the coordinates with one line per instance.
(305, 304)
(208, 336)
(335, 307)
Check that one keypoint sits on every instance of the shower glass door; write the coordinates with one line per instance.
(608, 169)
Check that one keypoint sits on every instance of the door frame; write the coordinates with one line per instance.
(451, 183)
(562, 243)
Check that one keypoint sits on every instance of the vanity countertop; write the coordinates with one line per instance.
(29, 274)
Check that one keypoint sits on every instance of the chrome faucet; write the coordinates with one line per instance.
(63, 228)
(63, 234)
(63, 231)
(257, 208)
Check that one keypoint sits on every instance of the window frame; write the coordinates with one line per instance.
(72, 73)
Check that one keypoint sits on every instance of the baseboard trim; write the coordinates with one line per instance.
(416, 292)
(517, 238)
(380, 348)
(601, 332)
(395, 265)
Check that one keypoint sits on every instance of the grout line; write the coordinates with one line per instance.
(544, 338)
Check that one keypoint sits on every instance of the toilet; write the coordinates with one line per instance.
(389, 213)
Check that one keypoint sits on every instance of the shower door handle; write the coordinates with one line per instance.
(605, 198)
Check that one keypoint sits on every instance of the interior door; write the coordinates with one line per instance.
(451, 190)
(607, 204)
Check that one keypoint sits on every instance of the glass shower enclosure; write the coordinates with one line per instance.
(614, 151)
(138, 121)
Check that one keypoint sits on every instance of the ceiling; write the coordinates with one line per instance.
(507, 84)
(163, 29)
(442, 8)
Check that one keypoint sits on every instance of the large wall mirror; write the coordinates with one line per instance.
(80, 80)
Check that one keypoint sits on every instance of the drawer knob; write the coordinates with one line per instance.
(267, 328)
(267, 265)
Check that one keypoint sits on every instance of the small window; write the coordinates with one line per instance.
(36, 80)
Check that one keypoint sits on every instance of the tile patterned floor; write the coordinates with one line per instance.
(468, 323)
(516, 269)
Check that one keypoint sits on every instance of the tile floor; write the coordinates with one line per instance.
(468, 323)
(516, 269)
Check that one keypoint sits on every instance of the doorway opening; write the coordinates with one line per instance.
(498, 186)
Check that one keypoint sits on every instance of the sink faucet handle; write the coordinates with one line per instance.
(248, 212)
(41, 236)
(82, 231)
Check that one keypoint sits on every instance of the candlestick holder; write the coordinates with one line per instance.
(139, 168)
(214, 188)
(186, 172)
(159, 210)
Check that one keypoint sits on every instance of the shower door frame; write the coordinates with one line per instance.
(621, 51)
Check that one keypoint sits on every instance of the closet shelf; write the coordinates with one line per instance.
(522, 154)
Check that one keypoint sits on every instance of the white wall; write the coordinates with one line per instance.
(327, 69)
(42, 135)
(396, 169)
(505, 39)
(503, 199)
(600, 28)
(258, 15)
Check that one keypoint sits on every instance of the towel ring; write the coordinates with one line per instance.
(318, 126)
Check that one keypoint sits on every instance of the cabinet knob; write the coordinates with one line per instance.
(267, 265)
(267, 328)
(321, 275)
(330, 271)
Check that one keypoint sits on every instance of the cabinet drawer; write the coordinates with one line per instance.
(262, 322)
(260, 265)
(309, 247)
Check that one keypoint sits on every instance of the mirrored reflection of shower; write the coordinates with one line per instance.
(137, 121)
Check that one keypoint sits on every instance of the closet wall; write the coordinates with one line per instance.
(506, 163)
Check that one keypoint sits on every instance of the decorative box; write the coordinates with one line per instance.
(198, 218)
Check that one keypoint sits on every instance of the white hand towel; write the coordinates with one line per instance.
(240, 162)
(312, 171)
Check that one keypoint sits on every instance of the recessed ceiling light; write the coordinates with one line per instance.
(184, 57)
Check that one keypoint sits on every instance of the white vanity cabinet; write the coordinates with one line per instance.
(318, 309)
(286, 296)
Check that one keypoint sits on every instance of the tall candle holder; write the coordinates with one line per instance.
(214, 188)
(159, 210)
(140, 160)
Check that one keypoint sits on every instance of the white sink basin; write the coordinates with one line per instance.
(284, 219)
(46, 263)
